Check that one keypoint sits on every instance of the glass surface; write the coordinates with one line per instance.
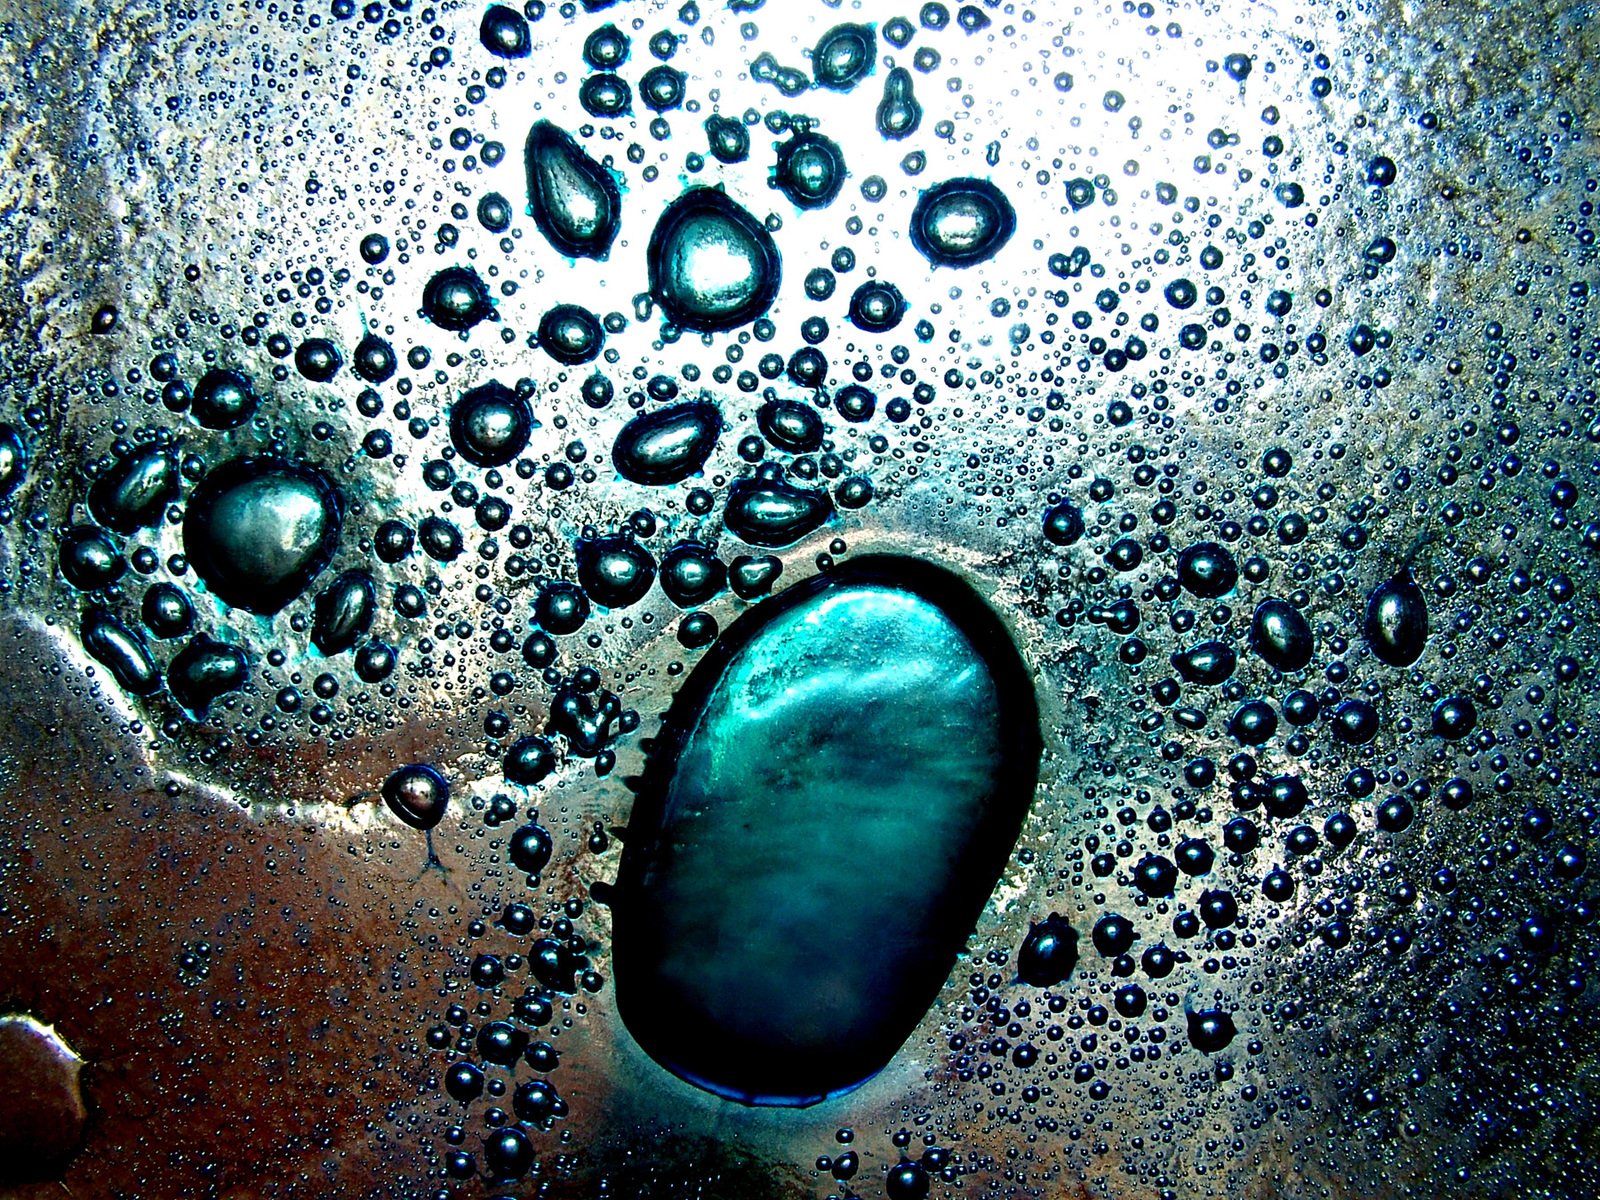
(399, 401)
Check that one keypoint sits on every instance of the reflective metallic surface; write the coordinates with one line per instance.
(1310, 282)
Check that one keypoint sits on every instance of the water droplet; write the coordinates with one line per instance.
(490, 425)
(135, 492)
(204, 671)
(576, 203)
(258, 530)
(121, 651)
(223, 399)
(1396, 624)
(773, 512)
(615, 570)
(418, 794)
(898, 113)
(866, 711)
(712, 265)
(843, 56)
(1280, 635)
(343, 612)
(668, 445)
(961, 222)
(810, 170)
(456, 299)
(504, 32)
(1049, 953)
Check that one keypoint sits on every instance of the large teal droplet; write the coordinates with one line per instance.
(830, 803)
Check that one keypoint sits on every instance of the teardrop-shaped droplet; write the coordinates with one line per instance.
(1396, 624)
(576, 203)
(712, 265)
(121, 651)
(343, 612)
(668, 445)
(961, 222)
(258, 530)
(1280, 635)
(136, 491)
(490, 425)
(899, 112)
(773, 512)
(866, 720)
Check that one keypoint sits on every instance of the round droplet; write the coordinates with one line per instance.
(89, 558)
(668, 445)
(877, 307)
(1396, 624)
(712, 265)
(318, 359)
(692, 574)
(605, 95)
(223, 399)
(810, 170)
(529, 761)
(135, 492)
(258, 530)
(490, 425)
(1454, 717)
(843, 56)
(615, 570)
(1280, 636)
(1210, 1030)
(575, 201)
(1049, 953)
(871, 710)
(1207, 570)
(773, 512)
(418, 794)
(961, 222)
(561, 607)
(456, 299)
(571, 334)
(530, 848)
(374, 359)
(1063, 524)
(727, 139)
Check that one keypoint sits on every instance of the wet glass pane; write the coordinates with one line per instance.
(795, 599)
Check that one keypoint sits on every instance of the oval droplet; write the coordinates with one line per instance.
(135, 492)
(121, 651)
(961, 222)
(1396, 624)
(712, 265)
(343, 612)
(258, 530)
(843, 56)
(418, 795)
(790, 425)
(204, 671)
(1281, 636)
(575, 201)
(862, 721)
(668, 445)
